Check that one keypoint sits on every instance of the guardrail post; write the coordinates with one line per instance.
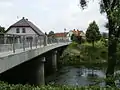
(51, 40)
(31, 43)
(5, 39)
(23, 43)
(36, 39)
(39, 41)
(13, 43)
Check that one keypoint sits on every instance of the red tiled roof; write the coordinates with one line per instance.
(77, 32)
(60, 34)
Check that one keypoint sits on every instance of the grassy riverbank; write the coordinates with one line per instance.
(85, 54)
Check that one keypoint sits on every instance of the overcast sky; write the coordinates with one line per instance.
(50, 15)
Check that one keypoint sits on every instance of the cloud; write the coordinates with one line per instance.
(51, 14)
(5, 4)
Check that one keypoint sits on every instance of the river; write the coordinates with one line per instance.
(78, 76)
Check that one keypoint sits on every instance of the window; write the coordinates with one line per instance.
(23, 30)
(17, 30)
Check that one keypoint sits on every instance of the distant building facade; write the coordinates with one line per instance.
(25, 28)
(61, 36)
(77, 33)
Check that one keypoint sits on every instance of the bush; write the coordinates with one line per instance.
(6, 86)
(77, 54)
(73, 45)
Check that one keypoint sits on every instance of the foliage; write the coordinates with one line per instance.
(6, 86)
(2, 29)
(51, 36)
(73, 45)
(112, 10)
(45, 33)
(97, 54)
(104, 41)
(93, 33)
(77, 54)
(73, 38)
(51, 33)
(118, 54)
(77, 39)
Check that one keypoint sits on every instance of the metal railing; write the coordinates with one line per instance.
(12, 42)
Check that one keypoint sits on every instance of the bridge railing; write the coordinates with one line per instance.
(12, 42)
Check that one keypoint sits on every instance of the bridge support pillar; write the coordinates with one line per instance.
(54, 60)
(58, 58)
(40, 75)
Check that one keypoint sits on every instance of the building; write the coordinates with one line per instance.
(61, 36)
(69, 34)
(77, 33)
(24, 28)
(82, 34)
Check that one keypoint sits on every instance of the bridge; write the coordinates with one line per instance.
(16, 51)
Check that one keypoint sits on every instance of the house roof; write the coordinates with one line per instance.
(25, 23)
(60, 34)
(78, 32)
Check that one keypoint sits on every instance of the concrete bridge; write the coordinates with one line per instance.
(26, 62)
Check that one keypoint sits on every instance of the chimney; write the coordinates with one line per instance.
(27, 19)
(23, 18)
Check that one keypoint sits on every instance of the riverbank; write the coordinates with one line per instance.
(84, 54)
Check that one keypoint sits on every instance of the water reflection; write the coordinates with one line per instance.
(77, 76)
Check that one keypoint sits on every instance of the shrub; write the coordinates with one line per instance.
(6, 86)
(77, 54)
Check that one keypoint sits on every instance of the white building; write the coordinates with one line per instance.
(69, 34)
(76, 33)
(25, 28)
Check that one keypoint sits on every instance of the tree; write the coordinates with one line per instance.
(45, 33)
(112, 10)
(2, 30)
(51, 33)
(51, 36)
(74, 38)
(93, 33)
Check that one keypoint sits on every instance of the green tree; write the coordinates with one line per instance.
(112, 10)
(2, 30)
(93, 33)
(73, 37)
(51, 33)
(76, 39)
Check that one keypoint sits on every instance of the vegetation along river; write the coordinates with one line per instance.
(78, 70)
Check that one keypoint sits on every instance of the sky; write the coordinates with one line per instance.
(51, 15)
